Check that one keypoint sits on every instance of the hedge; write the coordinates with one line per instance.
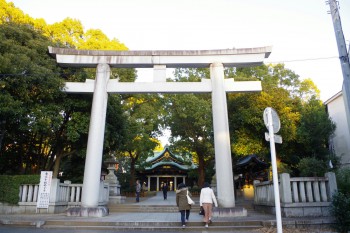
(9, 186)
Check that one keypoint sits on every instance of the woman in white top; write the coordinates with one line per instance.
(206, 200)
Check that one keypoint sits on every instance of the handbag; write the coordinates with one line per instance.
(189, 200)
(201, 211)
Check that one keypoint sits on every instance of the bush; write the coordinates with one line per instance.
(123, 179)
(9, 191)
(343, 181)
(312, 166)
(283, 168)
(340, 210)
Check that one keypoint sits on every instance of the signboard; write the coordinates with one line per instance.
(275, 119)
(278, 138)
(44, 190)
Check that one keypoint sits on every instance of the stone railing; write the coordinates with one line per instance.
(299, 196)
(62, 196)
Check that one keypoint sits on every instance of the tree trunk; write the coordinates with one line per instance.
(132, 172)
(201, 171)
(56, 167)
(2, 131)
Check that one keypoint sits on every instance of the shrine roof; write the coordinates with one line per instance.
(250, 162)
(166, 157)
(164, 152)
(182, 167)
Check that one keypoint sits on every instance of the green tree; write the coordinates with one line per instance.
(305, 125)
(30, 85)
(311, 166)
(10, 14)
(315, 129)
(96, 39)
(245, 112)
(68, 33)
(190, 121)
(141, 130)
(40, 124)
(189, 118)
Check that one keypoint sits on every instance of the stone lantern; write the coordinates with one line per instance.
(112, 179)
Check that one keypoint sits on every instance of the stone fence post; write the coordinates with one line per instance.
(285, 188)
(256, 193)
(54, 191)
(332, 183)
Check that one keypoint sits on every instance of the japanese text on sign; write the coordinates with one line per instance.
(44, 189)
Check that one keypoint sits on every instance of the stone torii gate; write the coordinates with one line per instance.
(159, 61)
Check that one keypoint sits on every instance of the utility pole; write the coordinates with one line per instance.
(343, 55)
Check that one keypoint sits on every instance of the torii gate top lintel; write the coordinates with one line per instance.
(170, 58)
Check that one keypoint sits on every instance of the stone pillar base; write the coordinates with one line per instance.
(229, 212)
(100, 211)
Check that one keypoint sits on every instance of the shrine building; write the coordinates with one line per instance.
(166, 167)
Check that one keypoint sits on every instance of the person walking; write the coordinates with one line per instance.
(165, 190)
(138, 190)
(182, 203)
(206, 199)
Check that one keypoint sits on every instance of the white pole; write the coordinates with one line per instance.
(223, 164)
(274, 172)
(93, 161)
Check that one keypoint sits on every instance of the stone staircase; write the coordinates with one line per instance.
(149, 223)
(127, 208)
(243, 226)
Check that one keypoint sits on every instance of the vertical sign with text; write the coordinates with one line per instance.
(44, 189)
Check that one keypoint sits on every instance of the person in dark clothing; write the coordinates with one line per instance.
(138, 190)
(182, 203)
(165, 190)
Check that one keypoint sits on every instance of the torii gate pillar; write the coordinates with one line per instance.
(93, 161)
(159, 60)
(223, 164)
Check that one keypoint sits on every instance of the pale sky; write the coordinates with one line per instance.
(300, 31)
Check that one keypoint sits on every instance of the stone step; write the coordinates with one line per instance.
(154, 226)
(146, 208)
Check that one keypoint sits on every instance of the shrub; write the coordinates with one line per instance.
(123, 179)
(340, 210)
(311, 166)
(343, 181)
(9, 191)
(283, 168)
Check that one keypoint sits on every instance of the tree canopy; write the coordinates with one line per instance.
(291, 98)
(41, 124)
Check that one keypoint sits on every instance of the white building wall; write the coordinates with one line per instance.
(340, 141)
